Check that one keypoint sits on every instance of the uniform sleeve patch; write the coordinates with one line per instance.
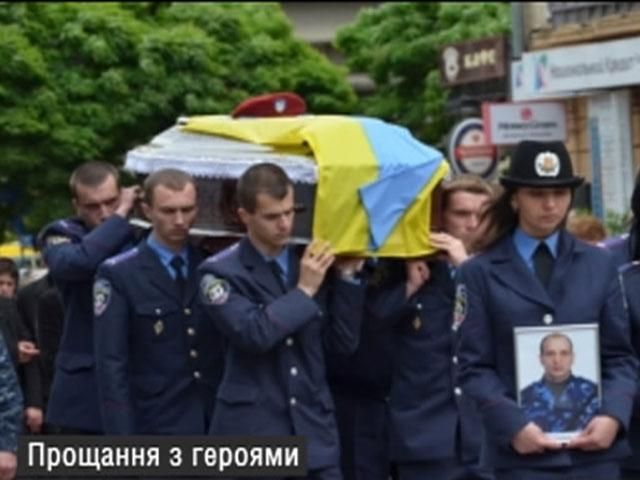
(57, 239)
(214, 290)
(101, 296)
(460, 307)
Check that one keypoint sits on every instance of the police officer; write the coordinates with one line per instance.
(627, 253)
(277, 311)
(560, 401)
(435, 432)
(158, 360)
(73, 248)
(360, 384)
(10, 414)
(630, 277)
(534, 273)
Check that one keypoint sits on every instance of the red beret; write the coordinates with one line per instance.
(279, 104)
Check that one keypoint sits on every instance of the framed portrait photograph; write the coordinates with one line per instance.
(558, 376)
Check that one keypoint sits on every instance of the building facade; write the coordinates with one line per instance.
(587, 55)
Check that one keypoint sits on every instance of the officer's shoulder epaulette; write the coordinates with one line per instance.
(121, 257)
(613, 242)
(629, 267)
(68, 225)
(60, 231)
(222, 254)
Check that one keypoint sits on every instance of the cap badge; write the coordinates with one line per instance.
(547, 164)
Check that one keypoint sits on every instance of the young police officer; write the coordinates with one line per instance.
(435, 432)
(158, 360)
(534, 273)
(277, 311)
(72, 249)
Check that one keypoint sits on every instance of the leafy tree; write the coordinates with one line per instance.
(397, 44)
(91, 81)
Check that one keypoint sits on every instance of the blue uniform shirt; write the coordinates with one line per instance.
(526, 245)
(167, 255)
(282, 259)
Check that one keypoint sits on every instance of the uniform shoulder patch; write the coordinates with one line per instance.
(460, 307)
(121, 256)
(214, 290)
(59, 232)
(101, 296)
(56, 240)
(222, 253)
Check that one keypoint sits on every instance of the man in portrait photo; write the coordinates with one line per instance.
(560, 401)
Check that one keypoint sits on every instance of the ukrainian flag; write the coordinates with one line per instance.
(375, 180)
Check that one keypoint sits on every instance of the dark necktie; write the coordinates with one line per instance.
(177, 263)
(278, 273)
(543, 263)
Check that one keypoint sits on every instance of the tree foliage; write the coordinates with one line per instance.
(397, 44)
(90, 81)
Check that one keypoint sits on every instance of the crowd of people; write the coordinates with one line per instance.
(401, 368)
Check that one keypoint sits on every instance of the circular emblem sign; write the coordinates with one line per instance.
(469, 151)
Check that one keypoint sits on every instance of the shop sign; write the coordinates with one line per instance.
(473, 61)
(469, 150)
(510, 123)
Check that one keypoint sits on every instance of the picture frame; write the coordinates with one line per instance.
(558, 376)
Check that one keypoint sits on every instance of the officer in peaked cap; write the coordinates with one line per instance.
(533, 273)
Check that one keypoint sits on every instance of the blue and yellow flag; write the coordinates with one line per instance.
(375, 180)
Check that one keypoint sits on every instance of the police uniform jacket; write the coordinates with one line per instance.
(630, 277)
(275, 381)
(621, 248)
(158, 359)
(73, 252)
(428, 414)
(497, 292)
(360, 384)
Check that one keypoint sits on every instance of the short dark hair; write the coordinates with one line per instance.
(92, 174)
(7, 265)
(266, 178)
(171, 178)
(555, 335)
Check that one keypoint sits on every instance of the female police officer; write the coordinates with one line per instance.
(534, 273)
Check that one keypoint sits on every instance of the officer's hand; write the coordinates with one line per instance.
(8, 463)
(417, 274)
(27, 351)
(128, 198)
(531, 439)
(599, 434)
(33, 417)
(316, 260)
(452, 246)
